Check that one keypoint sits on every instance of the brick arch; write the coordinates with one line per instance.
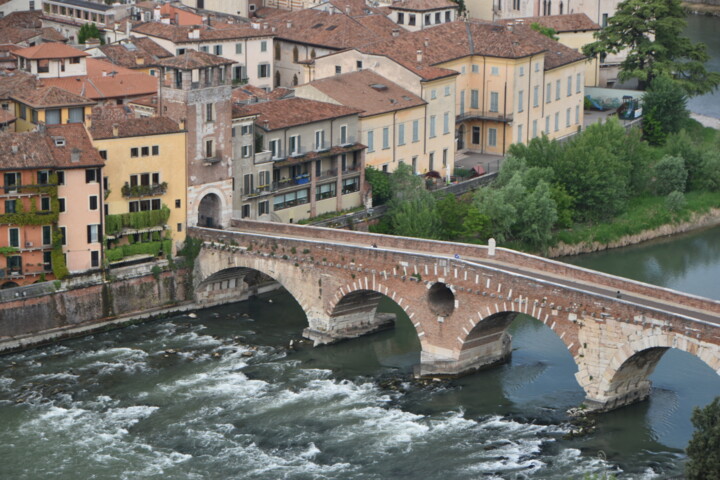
(373, 285)
(631, 365)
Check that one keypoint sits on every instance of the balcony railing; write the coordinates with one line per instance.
(212, 160)
(144, 190)
(263, 157)
(476, 114)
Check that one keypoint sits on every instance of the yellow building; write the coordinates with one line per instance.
(144, 172)
(393, 123)
(49, 106)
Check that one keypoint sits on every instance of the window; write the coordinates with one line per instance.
(338, 69)
(370, 141)
(156, 150)
(263, 46)
(12, 180)
(92, 175)
(537, 66)
(416, 131)
(567, 117)
(246, 151)
(557, 90)
(61, 205)
(447, 16)
(431, 161)
(343, 135)
(494, 98)
(492, 137)
(246, 130)
(475, 68)
(274, 146)
(263, 208)
(278, 51)
(428, 19)
(557, 121)
(386, 137)
(217, 50)
(401, 134)
(548, 93)
(43, 177)
(577, 114)
(290, 199)
(438, 17)
(522, 71)
(93, 201)
(534, 129)
(34, 115)
(604, 20)
(10, 206)
(462, 102)
(359, 65)
(177, 203)
(44, 204)
(14, 237)
(75, 115)
(475, 135)
(23, 112)
(520, 134)
(209, 149)
(204, 48)
(238, 48)
(520, 100)
(547, 125)
(400, 18)
(145, 151)
(264, 70)
(578, 83)
(569, 85)
(209, 110)
(350, 185)
(432, 126)
(134, 152)
(246, 209)
(447, 90)
(52, 116)
(46, 234)
(319, 139)
(411, 19)
(294, 145)
(446, 123)
(414, 164)
(495, 71)
(474, 99)
(94, 258)
(329, 190)
(536, 95)
(93, 233)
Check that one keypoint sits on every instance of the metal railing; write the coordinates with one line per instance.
(484, 115)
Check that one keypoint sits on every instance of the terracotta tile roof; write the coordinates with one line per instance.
(51, 50)
(105, 80)
(264, 13)
(133, 127)
(367, 91)
(50, 96)
(18, 35)
(109, 112)
(422, 5)
(76, 138)
(147, 101)
(335, 31)
(291, 112)
(357, 7)
(150, 46)
(130, 54)
(250, 93)
(6, 117)
(49, 34)
(574, 22)
(192, 59)
(32, 150)
(458, 39)
(25, 19)
(15, 82)
(180, 34)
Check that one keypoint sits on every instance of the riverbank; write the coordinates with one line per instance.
(701, 9)
(697, 222)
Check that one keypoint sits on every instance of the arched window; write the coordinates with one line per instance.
(277, 50)
(295, 80)
(295, 54)
(277, 78)
(561, 8)
(312, 54)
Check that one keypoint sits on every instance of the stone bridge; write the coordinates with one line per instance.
(462, 298)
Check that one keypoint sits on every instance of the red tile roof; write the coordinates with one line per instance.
(290, 112)
(6, 117)
(15, 82)
(133, 127)
(251, 93)
(131, 54)
(76, 138)
(150, 46)
(180, 34)
(574, 22)
(45, 97)
(51, 50)
(367, 91)
(193, 59)
(24, 19)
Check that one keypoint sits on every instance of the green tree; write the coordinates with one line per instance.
(664, 110)
(452, 212)
(462, 8)
(651, 33)
(670, 175)
(89, 30)
(547, 31)
(540, 152)
(380, 183)
(537, 216)
(710, 172)
(682, 145)
(703, 449)
(493, 204)
(412, 210)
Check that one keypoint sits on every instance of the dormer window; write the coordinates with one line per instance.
(59, 141)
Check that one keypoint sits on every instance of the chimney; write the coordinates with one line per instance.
(128, 25)
(289, 24)
(273, 29)
(347, 10)
(75, 155)
(115, 130)
(395, 32)
(14, 149)
(419, 56)
(427, 42)
(181, 124)
(510, 27)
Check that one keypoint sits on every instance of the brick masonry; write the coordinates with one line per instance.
(615, 344)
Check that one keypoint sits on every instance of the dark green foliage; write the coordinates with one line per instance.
(149, 248)
(682, 145)
(547, 31)
(651, 30)
(136, 220)
(89, 30)
(675, 202)
(670, 175)
(380, 183)
(452, 213)
(411, 211)
(664, 110)
(703, 449)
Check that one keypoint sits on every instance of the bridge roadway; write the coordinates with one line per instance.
(626, 296)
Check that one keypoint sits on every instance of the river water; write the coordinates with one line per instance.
(181, 398)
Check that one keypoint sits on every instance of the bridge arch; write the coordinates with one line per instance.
(626, 377)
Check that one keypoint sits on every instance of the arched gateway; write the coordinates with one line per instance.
(461, 300)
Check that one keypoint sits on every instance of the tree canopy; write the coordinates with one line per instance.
(704, 447)
(89, 30)
(651, 33)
